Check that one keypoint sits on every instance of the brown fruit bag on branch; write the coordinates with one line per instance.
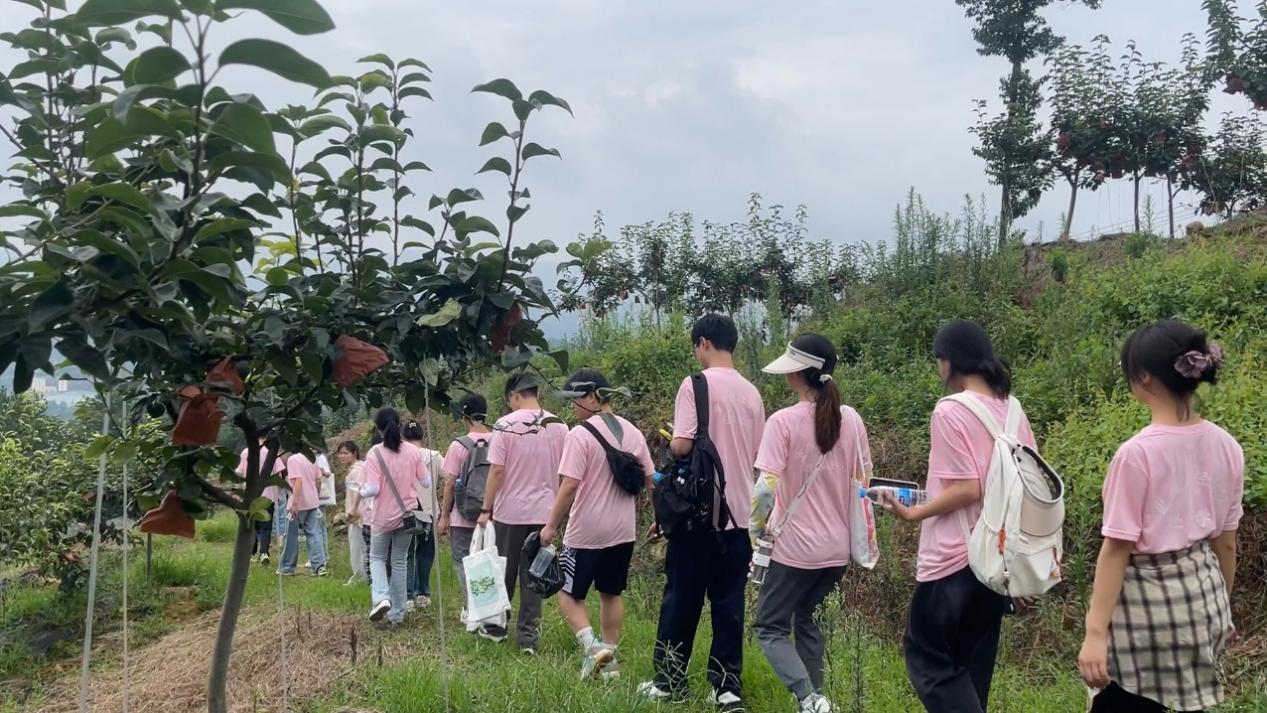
(168, 518)
(357, 360)
(198, 423)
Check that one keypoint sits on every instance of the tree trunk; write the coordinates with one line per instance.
(1170, 203)
(1067, 235)
(1137, 203)
(1005, 215)
(217, 683)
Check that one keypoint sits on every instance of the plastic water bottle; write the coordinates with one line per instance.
(657, 477)
(760, 561)
(542, 561)
(907, 496)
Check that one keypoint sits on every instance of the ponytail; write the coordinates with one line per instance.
(827, 417)
(388, 423)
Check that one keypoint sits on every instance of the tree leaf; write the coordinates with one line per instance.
(493, 132)
(316, 125)
(51, 304)
(109, 13)
(414, 77)
(535, 149)
(502, 88)
(120, 192)
(441, 317)
(246, 125)
(220, 226)
(416, 166)
(560, 357)
(458, 195)
(476, 224)
(544, 98)
(302, 17)
(129, 96)
(156, 65)
(379, 59)
(277, 58)
(115, 34)
(411, 62)
(496, 163)
(381, 132)
(414, 92)
(270, 163)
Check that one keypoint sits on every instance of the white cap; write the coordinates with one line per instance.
(794, 360)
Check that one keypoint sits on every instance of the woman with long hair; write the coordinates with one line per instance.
(811, 453)
(952, 633)
(395, 474)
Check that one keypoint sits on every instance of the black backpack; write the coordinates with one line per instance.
(626, 469)
(690, 497)
(468, 491)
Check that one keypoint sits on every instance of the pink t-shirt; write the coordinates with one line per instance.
(1170, 487)
(353, 481)
(602, 514)
(736, 417)
(817, 535)
(454, 463)
(408, 469)
(530, 454)
(270, 491)
(960, 449)
(302, 474)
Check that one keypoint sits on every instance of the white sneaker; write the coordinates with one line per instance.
(728, 702)
(816, 703)
(598, 656)
(380, 610)
(409, 605)
(651, 691)
(422, 601)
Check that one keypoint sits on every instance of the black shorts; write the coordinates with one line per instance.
(607, 570)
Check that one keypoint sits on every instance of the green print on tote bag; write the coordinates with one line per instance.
(486, 596)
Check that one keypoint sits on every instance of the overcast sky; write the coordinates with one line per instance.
(693, 104)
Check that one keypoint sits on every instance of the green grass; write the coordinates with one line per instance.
(421, 663)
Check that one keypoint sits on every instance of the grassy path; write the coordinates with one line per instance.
(425, 669)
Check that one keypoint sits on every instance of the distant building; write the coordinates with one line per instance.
(39, 385)
(63, 385)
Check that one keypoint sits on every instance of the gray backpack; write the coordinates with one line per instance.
(468, 491)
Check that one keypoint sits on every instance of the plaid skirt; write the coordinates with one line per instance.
(1170, 628)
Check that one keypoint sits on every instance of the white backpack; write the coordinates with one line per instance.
(1016, 546)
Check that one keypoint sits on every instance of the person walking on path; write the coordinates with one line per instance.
(357, 510)
(453, 524)
(952, 633)
(810, 456)
(395, 476)
(525, 450)
(601, 518)
(711, 564)
(1160, 617)
(305, 516)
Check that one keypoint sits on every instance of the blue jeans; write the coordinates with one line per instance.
(396, 546)
(281, 516)
(422, 555)
(311, 523)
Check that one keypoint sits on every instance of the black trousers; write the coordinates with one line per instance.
(704, 565)
(952, 638)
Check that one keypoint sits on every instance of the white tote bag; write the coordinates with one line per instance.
(486, 597)
(864, 548)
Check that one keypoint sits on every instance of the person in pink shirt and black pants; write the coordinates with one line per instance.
(952, 634)
(711, 564)
(602, 519)
(524, 455)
